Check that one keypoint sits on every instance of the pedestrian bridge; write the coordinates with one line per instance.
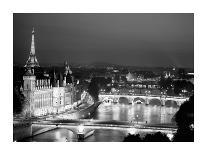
(85, 126)
(142, 98)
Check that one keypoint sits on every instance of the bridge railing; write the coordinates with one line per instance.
(150, 95)
(116, 124)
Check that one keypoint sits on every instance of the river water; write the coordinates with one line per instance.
(151, 114)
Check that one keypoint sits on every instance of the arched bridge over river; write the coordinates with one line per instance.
(142, 98)
(85, 126)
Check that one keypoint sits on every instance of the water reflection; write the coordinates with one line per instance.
(107, 135)
(121, 112)
(56, 135)
(138, 112)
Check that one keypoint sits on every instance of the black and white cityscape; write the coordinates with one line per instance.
(103, 77)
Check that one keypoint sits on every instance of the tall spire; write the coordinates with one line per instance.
(32, 51)
(32, 60)
(67, 68)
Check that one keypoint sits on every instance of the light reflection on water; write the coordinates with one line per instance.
(138, 112)
(122, 112)
(56, 135)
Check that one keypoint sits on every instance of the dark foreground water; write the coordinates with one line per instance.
(109, 111)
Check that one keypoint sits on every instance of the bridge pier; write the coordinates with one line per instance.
(163, 101)
(116, 100)
(131, 100)
(147, 101)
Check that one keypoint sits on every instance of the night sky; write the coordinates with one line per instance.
(144, 40)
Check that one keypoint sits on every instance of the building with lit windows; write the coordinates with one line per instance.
(43, 97)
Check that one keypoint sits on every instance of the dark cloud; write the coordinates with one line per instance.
(129, 39)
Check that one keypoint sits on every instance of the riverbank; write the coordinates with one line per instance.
(82, 112)
(22, 126)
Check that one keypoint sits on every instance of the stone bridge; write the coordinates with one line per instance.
(86, 126)
(142, 98)
(39, 128)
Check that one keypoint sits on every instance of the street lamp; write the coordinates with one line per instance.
(81, 128)
(170, 136)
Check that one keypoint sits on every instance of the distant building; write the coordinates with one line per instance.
(131, 77)
(168, 74)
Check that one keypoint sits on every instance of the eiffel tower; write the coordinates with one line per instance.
(32, 60)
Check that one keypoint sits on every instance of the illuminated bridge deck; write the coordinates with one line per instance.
(107, 124)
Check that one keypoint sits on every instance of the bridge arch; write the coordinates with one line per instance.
(107, 100)
(37, 129)
(171, 103)
(124, 100)
(75, 130)
(138, 100)
(154, 101)
(70, 129)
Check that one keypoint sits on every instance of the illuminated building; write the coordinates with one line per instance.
(43, 97)
(130, 77)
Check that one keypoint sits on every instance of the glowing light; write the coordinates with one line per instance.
(132, 131)
(170, 136)
(80, 128)
(192, 126)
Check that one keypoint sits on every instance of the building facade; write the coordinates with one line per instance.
(41, 96)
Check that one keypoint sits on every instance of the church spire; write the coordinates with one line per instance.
(32, 60)
(32, 51)
(67, 69)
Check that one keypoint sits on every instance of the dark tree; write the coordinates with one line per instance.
(184, 135)
(96, 84)
(181, 73)
(184, 119)
(182, 84)
(18, 101)
(165, 84)
(132, 138)
(157, 137)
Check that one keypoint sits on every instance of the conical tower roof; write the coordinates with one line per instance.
(32, 60)
(67, 69)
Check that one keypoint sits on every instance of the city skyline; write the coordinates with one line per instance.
(102, 38)
(101, 102)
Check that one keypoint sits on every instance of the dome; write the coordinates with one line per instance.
(130, 77)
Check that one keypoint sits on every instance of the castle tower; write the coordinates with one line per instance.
(54, 79)
(32, 60)
(67, 73)
(29, 81)
(28, 89)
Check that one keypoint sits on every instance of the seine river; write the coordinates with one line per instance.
(153, 113)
